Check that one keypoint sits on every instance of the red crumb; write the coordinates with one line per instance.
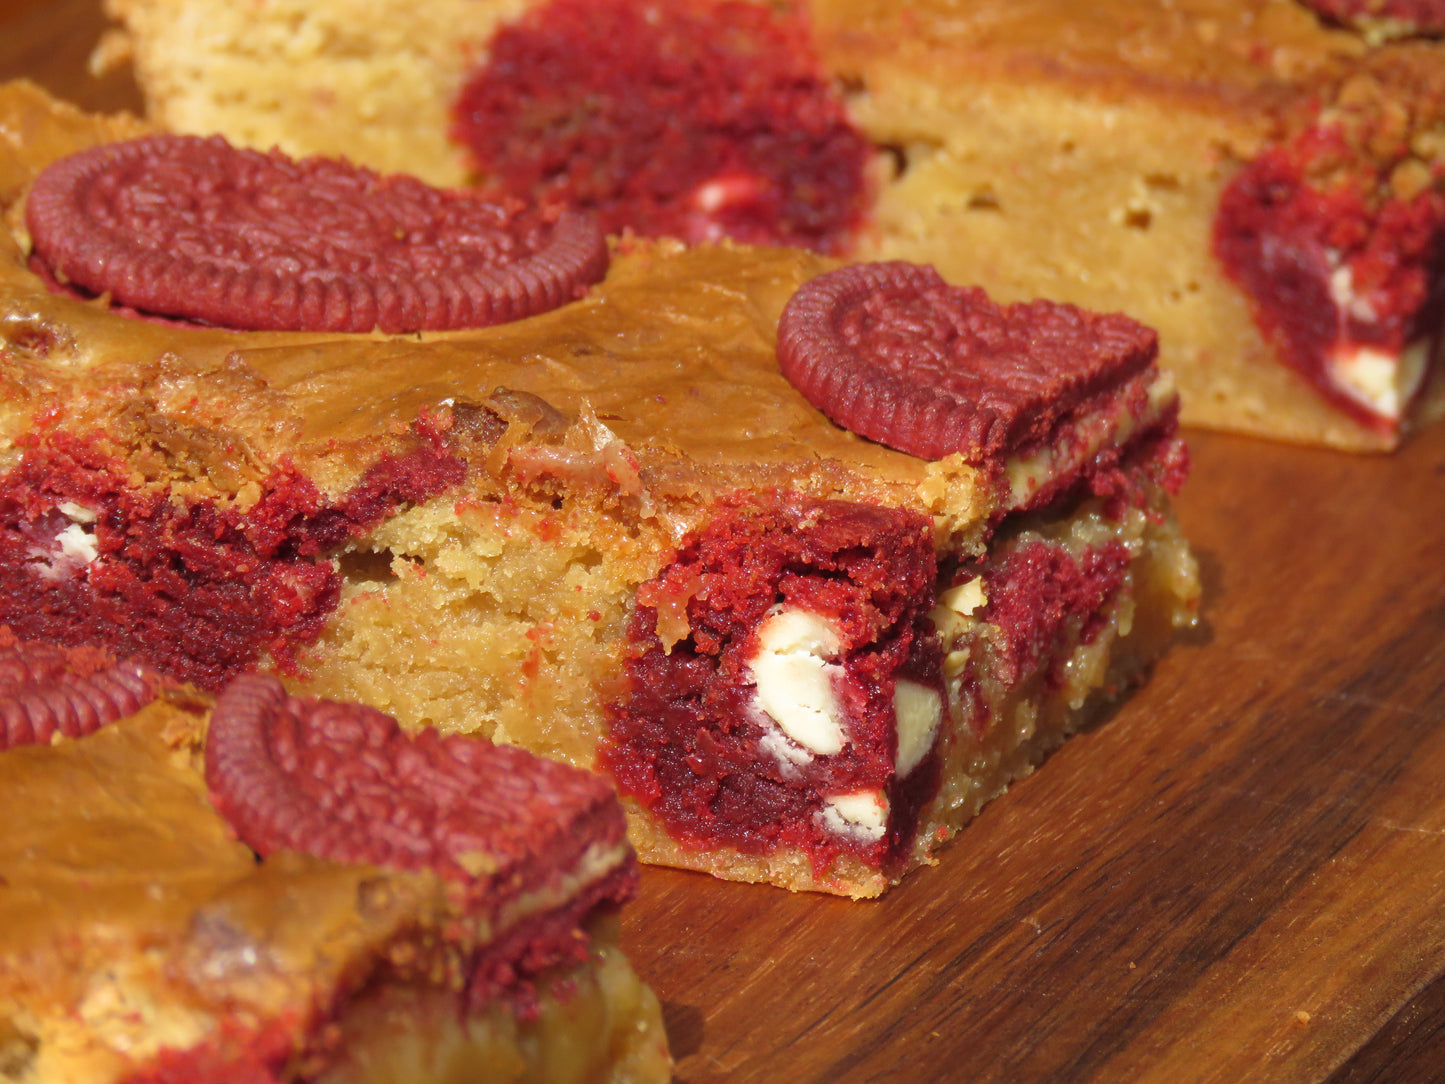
(1311, 214)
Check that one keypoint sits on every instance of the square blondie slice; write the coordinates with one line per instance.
(620, 535)
(145, 939)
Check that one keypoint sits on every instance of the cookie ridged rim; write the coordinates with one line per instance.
(920, 419)
(524, 821)
(35, 707)
(153, 280)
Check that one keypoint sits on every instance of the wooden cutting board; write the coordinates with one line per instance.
(1239, 875)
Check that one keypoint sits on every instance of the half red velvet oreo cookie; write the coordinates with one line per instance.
(195, 229)
(895, 354)
(346, 783)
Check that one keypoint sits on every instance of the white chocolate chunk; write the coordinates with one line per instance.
(790, 757)
(1342, 293)
(966, 597)
(918, 710)
(74, 545)
(77, 513)
(794, 672)
(952, 614)
(78, 544)
(1383, 382)
(955, 662)
(860, 815)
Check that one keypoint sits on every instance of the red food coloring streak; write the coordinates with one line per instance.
(895, 354)
(47, 690)
(685, 739)
(694, 120)
(1294, 218)
(1404, 17)
(200, 589)
(1037, 593)
(238, 1053)
(197, 230)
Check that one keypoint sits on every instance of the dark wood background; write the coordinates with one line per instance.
(1240, 875)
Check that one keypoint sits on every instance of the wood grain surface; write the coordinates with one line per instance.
(1239, 875)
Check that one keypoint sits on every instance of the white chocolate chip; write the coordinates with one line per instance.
(77, 513)
(955, 662)
(952, 614)
(1342, 293)
(794, 672)
(1383, 382)
(966, 597)
(860, 815)
(790, 757)
(78, 544)
(918, 710)
(74, 545)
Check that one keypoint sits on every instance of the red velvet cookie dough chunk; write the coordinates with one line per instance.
(47, 690)
(191, 228)
(1039, 394)
(1337, 237)
(199, 587)
(1040, 597)
(785, 688)
(695, 120)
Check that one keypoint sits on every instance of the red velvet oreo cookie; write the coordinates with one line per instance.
(197, 230)
(344, 782)
(47, 690)
(893, 353)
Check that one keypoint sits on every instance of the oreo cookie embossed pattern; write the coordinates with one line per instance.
(195, 229)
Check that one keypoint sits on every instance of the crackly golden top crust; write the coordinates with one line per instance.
(672, 355)
(154, 846)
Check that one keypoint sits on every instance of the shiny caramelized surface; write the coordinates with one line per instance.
(672, 353)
